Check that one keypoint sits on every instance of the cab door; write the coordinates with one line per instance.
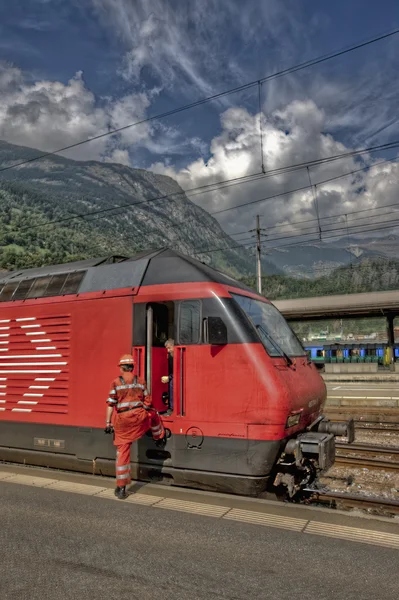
(159, 328)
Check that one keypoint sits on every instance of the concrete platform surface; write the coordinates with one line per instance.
(71, 540)
(366, 393)
(380, 377)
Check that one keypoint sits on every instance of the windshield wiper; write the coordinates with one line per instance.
(275, 344)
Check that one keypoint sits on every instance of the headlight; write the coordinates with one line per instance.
(293, 420)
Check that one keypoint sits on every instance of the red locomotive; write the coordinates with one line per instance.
(247, 401)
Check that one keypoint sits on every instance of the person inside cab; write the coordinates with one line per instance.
(170, 346)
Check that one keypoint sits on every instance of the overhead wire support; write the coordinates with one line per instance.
(347, 237)
(316, 206)
(261, 127)
(258, 258)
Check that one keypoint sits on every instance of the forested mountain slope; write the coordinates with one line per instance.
(56, 188)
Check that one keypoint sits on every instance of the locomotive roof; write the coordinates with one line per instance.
(110, 272)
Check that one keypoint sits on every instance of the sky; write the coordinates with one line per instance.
(73, 69)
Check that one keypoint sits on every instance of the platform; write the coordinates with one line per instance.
(371, 394)
(378, 377)
(66, 537)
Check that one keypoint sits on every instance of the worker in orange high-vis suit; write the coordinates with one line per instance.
(129, 416)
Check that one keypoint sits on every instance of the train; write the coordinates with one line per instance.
(322, 352)
(248, 402)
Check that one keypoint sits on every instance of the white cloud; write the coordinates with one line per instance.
(119, 156)
(156, 40)
(49, 115)
(200, 46)
(291, 136)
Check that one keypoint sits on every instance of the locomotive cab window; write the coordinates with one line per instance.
(273, 330)
(162, 323)
(189, 322)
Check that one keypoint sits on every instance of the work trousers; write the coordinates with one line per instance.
(123, 476)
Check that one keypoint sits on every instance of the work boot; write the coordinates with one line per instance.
(161, 443)
(120, 492)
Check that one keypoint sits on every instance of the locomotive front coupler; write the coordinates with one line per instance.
(338, 429)
(310, 453)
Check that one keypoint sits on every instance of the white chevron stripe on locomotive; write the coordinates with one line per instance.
(25, 362)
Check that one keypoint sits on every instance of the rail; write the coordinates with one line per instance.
(345, 501)
(367, 456)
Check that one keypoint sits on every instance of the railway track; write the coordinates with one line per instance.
(343, 501)
(368, 456)
(370, 426)
(364, 421)
(364, 414)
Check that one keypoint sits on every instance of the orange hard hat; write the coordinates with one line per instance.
(126, 359)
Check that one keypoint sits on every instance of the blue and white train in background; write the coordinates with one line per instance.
(322, 352)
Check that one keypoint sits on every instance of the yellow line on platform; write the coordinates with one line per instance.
(249, 516)
(353, 534)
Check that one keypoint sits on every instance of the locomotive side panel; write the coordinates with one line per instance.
(102, 333)
(55, 374)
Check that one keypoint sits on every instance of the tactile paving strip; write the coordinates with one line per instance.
(77, 488)
(249, 516)
(197, 508)
(353, 534)
(29, 480)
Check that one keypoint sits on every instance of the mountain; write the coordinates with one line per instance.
(57, 189)
(315, 259)
(369, 275)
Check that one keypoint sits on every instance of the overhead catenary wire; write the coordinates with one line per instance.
(307, 231)
(343, 229)
(384, 226)
(228, 182)
(237, 181)
(281, 73)
(333, 216)
(345, 225)
(208, 187)
(391, 225)
(390, 146)
(367, 167)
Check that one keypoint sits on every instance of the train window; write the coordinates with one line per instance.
(190, 322)
(38, 289)
(23, 289)
(55, 286)
(73, 282)
(272, 328)
(8, 291)
(65, 283)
